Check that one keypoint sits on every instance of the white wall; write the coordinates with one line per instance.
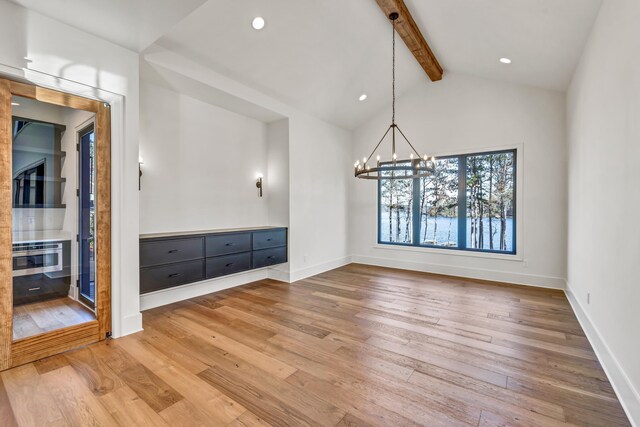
(319, 158)
(604, 176)
(200, 164)
(277, 177)
(45, 51)
(467, 114)
(277, 185)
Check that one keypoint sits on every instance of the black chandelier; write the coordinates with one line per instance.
(415, 166)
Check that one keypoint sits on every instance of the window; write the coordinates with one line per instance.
(427, 211)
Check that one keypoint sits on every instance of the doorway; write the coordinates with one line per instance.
(55, 222)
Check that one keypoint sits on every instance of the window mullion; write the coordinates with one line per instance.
(417, 215)
(462, 202)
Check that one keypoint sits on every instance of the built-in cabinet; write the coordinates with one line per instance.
(175, 259)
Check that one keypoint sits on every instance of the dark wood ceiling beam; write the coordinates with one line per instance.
(408, 30)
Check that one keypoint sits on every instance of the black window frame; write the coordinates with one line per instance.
(462, 208)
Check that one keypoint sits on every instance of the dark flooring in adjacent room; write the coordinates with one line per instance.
(354, 346)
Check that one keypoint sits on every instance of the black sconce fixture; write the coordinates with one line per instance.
(259, 184)
(140, 163)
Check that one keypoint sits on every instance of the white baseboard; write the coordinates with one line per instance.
(280, 273)
(471, 273)
(192, 290)
(130, 325)
(319, 268)
(622, 385)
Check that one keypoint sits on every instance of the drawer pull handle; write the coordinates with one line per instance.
(171, 276)
(229, 265)
(229, 244)
(270, 257)
(34, 289)
(173, 251)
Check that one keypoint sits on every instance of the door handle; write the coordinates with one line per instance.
(171, 276)
(173, 251)
(229, 265)
(270, 257)
(34, 289)
(229, 244)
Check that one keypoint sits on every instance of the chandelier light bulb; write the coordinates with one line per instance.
(364, 160)
(433, 159)
(395, 156)
(411, 156)
(378, 157)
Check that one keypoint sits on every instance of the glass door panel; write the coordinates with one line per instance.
(52, 235)
(86, 201)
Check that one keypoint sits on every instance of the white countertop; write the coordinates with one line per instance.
(40, 236)
(201, 232)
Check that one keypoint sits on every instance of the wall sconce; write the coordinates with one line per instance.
(259, 184)
(140, 163)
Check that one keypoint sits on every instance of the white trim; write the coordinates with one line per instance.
(280, 273)
(627, 394)
(131, 324)
(192, 290)
(450, 251)
(319, 268)
(466, 272)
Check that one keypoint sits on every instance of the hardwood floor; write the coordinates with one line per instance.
(39, 317)
(354, 346)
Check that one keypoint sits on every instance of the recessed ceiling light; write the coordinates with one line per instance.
(505, 60)
(15, 104)
(257, 23)
(362, 97)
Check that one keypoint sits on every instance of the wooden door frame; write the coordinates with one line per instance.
(14, 353)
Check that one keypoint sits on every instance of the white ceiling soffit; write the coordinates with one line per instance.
(318, 56)
(184, 85)
(134, 24)
(321, 55)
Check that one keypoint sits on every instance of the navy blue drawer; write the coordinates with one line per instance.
(266, 257)
(269, 238)
(167, 276)
(228, 264)
(160, 252)
(224, 244)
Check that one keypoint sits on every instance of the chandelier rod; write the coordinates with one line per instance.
(393, 17)
(408, 142)
(382, 139)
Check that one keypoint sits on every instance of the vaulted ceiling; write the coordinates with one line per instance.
(321, 55)
(133, 24)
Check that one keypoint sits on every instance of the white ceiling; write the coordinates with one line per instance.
(134, 24)
(320, 55)
(316, 55)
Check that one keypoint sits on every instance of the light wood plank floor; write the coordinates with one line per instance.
(351, 347)
(44, 316)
